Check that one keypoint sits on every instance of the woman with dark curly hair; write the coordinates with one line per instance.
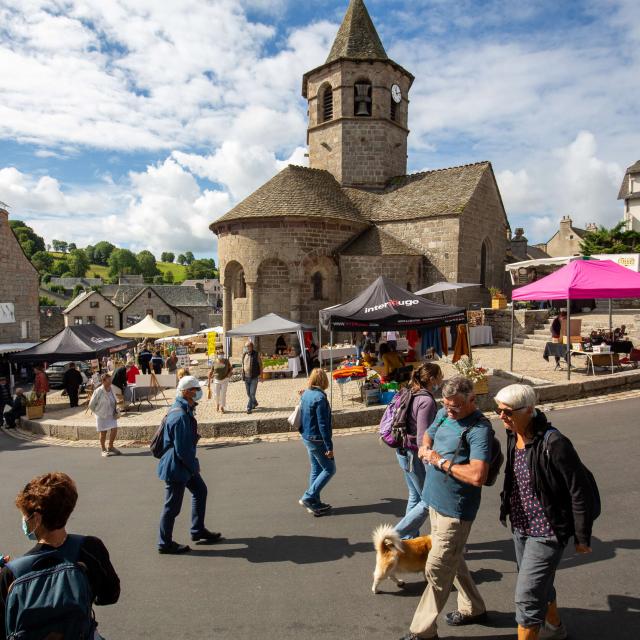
(46, 502)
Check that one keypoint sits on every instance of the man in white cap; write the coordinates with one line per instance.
(180, 470)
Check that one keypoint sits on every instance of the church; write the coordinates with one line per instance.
(315, 236)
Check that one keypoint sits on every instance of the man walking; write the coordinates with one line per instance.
(251, 374)
(71, 382)
(452, 491)
(180, 469)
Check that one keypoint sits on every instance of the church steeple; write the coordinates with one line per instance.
(357, 38)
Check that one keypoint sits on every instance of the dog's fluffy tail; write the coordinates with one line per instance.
(385, 537)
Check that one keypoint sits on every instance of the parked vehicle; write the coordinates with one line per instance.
(57, 370)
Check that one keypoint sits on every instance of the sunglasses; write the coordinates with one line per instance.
(508, 412)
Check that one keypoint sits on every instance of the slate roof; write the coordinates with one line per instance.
(70, 283)
(296, 191)
(357, 37)
(624, 188)
(81, 297)
(376, 242)
(174, 295)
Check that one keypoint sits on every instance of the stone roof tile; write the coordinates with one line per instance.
(376, 242)
(624, 187)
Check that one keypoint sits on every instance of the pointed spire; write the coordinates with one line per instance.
(357, 37)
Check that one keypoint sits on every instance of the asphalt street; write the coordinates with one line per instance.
(282, 574)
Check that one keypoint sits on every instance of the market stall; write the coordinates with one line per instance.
(148, 327)
(579, 279)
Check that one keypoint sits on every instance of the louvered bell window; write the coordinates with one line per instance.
(327, 104)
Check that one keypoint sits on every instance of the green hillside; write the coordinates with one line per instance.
(179, 271)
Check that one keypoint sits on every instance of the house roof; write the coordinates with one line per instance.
(84, 295)
(357, 37)
(624, 187)
(175, 296)
(70, 283)
(376, 242)
(296, 191)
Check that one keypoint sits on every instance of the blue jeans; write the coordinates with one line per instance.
(322, 470)
(174, 494)
(414, 475)
(538, 559)
(251, 385)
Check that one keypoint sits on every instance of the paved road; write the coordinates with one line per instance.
(281, 574)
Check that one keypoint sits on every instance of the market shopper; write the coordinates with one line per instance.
(41, 385)
(391, 360)
(71, 383)
(549, 499)
(104, 405)
(179, 468)
(46, 502)
(172, 362)
(316, 431)
(157, 363)
(144, 360)
(251, 374)
(18, 409)
(452, 492)
(219, 374)
(132, 372)
(5, 397)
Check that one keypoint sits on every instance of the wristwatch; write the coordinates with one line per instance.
(440, 463)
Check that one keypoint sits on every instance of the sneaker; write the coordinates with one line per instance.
(114, 452)
(174, 549)
(457, 619)
(308, 504)
(413, 636)
(324, 505)
(206, 536)
(107, 454)
(551, 632)
(319, 511)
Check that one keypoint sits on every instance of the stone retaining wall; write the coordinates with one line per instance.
(525, 322)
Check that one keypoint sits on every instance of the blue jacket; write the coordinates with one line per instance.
(315, 415)
(179, 462)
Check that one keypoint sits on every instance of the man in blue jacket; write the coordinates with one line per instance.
(180, 470)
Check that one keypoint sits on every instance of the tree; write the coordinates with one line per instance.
(148, 266)
(102, 252)
(78, 263)
(29, 240)
(42, 261)
(72, 246)
(44, 301)
(60, 245)
(189, 257)
(168, 277)
(616, 240)
(158, 279)
(199, 269)
(77, 290)
(89, 252)
(60, 267)
(121, 262)
(167, 256)
(181, 259)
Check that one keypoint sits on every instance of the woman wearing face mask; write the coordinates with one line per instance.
(425, 381)
(179, 468)
(46, 503)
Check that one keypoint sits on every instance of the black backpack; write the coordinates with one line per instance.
(157, 442)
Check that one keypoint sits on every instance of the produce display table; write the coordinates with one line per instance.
(480, 335)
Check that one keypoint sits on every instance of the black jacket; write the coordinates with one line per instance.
(72, 379)
(119, 378)
(559, 480)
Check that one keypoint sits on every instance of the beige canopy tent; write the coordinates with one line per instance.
(148, 328)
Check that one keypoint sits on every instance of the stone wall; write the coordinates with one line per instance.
(51, 321)
(85, 310)
(525, 322)
(144, 303)
(19, 285)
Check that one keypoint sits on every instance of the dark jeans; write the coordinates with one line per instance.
(538, 559)
(73, 397)
(174, 493)
(145, 368)
(251, 386)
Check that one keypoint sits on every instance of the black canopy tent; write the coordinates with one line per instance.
(385, 306)
(79, 342)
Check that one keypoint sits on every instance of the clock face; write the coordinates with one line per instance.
(396, 94)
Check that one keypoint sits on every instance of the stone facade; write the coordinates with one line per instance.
(630, 194)
(93, 308)
(566, 241)
(19, 286)
(525, 321)
(151, 303)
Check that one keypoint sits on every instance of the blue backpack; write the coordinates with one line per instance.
(50, 596)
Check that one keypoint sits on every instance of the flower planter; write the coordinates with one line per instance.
(498, 302)
(35, 411)
(481, 387)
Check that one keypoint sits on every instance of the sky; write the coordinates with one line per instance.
(141, 122)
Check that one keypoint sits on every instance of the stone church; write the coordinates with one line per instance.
(313, 237)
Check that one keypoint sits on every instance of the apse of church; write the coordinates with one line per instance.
(313, 237)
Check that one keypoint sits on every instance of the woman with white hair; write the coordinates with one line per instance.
(549, 497)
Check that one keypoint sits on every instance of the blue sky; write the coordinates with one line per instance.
(142, 123)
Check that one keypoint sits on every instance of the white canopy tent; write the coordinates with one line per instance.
(445, 286)
(148, 327)
(268, 325)
(204, 332)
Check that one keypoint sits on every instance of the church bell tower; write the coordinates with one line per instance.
(358, 107)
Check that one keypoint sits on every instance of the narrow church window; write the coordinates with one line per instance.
(393, 113)
(317, 282)
(327, 104)
(241, 286)
(362, 99)
(483, 264)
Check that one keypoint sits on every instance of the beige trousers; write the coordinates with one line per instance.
(446, 567)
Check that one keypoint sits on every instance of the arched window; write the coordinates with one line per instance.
(327, 104)
(363, 103)
(483, 264)
(240, 288)
(317, 282)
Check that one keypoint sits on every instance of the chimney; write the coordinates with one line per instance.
(519, 244)
(592, 226)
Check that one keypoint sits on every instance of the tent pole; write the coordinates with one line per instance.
(331, 367)
(466, 326)
(303, 350)
(611, 318)
(568, 338)
(320, 342)
(513, 317)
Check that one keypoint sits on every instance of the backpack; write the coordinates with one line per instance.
(497, 457)
(50, 596)
(157, 442)
(393, 426)
(595, 493)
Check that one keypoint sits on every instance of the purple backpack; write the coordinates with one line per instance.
(393, 426)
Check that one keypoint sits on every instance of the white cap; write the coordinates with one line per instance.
(188, 382)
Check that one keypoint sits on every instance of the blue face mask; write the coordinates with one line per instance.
(198, 395)
(25, 529)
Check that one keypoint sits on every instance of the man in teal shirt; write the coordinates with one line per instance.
(452, 491)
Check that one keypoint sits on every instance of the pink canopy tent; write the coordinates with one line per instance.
(580, 279)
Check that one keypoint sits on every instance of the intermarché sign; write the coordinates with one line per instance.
(391, 303)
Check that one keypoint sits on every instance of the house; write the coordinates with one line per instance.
(69, 284)
(92, 307)
(566, 240)
(630, 193)
(211, 287)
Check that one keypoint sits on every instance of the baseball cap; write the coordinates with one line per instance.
(188, 382)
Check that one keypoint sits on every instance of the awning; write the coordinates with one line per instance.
(446, 286)
(15, 347)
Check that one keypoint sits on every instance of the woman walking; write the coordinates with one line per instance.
(104, 404)
(549, 497)
(315, 428)
(425, 381)
(41, 385)
(220, 373)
